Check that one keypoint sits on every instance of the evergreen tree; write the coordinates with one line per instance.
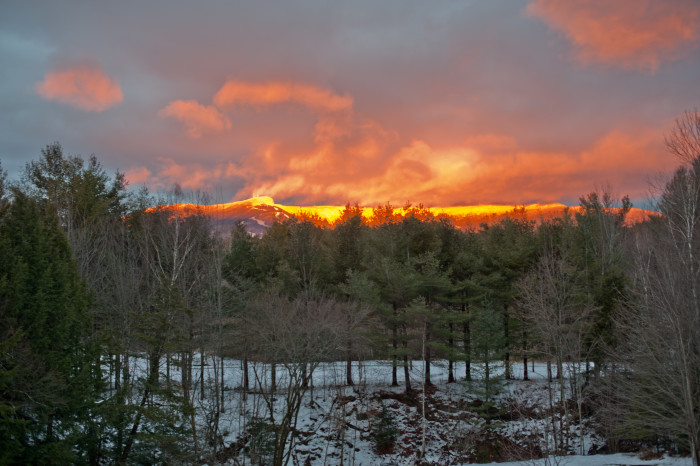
(307, 256)
(49, 373)
(244, 273)
(508, 249)
(348, 242)
(78, 191)
(466, 278)
(601, 234)
(398, 286)
(488, 348)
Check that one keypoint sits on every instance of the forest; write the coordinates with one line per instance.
(121, 319)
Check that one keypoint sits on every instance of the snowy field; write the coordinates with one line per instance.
(338, 424)
(618, 459)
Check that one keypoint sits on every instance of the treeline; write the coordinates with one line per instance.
(413, 286)
(110, 311)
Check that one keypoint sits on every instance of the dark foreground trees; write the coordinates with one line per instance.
(291, 337)
(662, 326)
(49, 373)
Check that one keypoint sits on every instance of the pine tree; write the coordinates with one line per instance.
(508, 249)
(49, 375)
(600, 236)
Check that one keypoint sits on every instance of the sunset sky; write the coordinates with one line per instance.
(317, 102)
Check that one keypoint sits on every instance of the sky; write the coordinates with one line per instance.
(314, 102)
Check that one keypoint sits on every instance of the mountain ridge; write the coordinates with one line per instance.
(258, 213)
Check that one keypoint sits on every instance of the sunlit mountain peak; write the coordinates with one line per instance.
(260, 212)
(260, 200)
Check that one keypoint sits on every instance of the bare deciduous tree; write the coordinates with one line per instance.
(684, 139)
(661, 331)
(557, 310)
(296, 336)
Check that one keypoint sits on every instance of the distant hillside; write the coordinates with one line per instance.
(259, 213)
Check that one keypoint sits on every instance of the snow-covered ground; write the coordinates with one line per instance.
(337, 424)
(602, 460)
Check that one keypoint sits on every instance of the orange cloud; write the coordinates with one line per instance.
(417, 172)
(491, 143)
(84, 87)
(346, 151)
(623, 160)
(349, 157)
(486, 169)
(627, 33)
(138, 175)
(190, 175)
(235, 93)
(198, 119)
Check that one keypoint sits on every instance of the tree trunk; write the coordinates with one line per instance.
(406, 362)
(246, 378)
(487, 378)
(117, 371)
(125, 371)
(348, 366)
(201, 374)
(564, 419)
(525, 377)
(426, 353)
(154, 363)
(466, 330)
(394, 362)
(506, 334)
(273, 377)
(137, 421)
(450, 362)
(406, 374)
(223, 405)
(425, 384)
(395, 356)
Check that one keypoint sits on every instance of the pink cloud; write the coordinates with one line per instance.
(189, 175)
(485, 169)
(85, 87)
(345, 156)
(137, 175)
(236, 93)
(198, 119)
(626, 33)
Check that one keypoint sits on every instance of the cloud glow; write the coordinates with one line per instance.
(240, 93)
(628, 33)
(198, 119)
(84, 87)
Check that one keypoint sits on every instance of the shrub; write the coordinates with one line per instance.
(384, 431)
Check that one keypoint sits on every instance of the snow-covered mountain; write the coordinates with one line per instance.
(256, 214)
(259, 213)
